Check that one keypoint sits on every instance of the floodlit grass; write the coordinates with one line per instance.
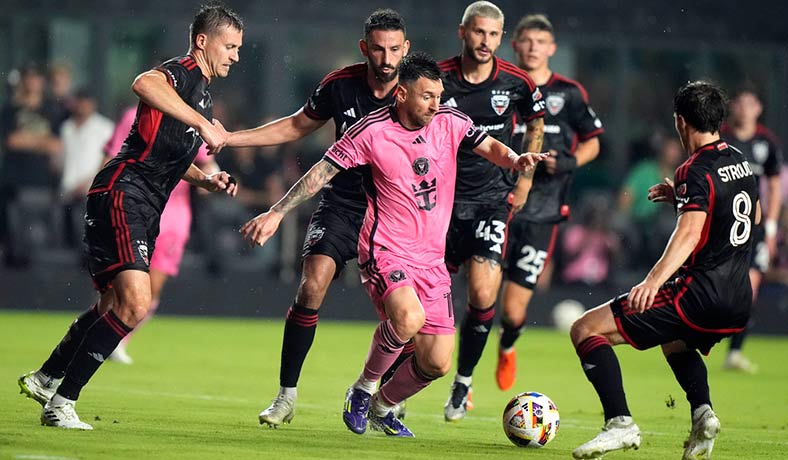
(197, 386)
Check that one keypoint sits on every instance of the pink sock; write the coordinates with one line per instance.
(383, 351)
(406, 382)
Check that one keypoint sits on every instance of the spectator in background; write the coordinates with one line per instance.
(28, 130)
(83, 135)
(61, 91)
(651, 223)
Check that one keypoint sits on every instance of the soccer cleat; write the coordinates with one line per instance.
(281, 410)
(389, 424)
(356, 409)
(506, 371)
(400, 410)
(618, 433)
(736, 361)
(705, 427)
(120, 355)
(63, 416)
(457, 405)
(32, 387)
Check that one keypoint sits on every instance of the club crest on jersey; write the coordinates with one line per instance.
(555, 102)
(499, 101)
(397, 275)
(142, 248)
(681, 190)
(314, 234)
(760, 151)
(421, 166)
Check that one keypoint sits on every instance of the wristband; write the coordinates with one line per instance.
(770, 228)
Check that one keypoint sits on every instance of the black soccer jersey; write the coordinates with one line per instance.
(718, 180)
(494, 105)
(568, 120)
(344, 96)
(159, 148)
(762, 151)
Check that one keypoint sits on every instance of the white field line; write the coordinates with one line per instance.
(42, 457)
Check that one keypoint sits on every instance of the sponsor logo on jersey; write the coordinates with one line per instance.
(338, 152)
(419, 140)
(351, 112)
(450, 103)
(499, 101)
(552, 129)
(397, 275)
(426, 194)
(555, 102)
(421, 166)
(760, 151)
(488, 128)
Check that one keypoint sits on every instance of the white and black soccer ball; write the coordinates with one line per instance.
(530, 420)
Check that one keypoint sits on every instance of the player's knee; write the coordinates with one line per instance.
(581, 329)
(131, 312)
(407, 322)
(312, 290)
(435, 366)
(482, 295)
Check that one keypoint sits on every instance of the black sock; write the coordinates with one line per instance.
(737, 340)
(55, 365)
(100, 341)
(473, 337)
(601, 367)
(300, 326)
(690, 372)
(407, 352)
(509, 334)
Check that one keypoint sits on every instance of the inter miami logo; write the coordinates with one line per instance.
(421, 166)
(142, 248)
(499, 101)
(314, 234)
(555, 102)
(426, 193)
(397, 275)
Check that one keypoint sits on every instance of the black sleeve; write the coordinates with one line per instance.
(584, 120)
(179, 77)
(692, 194)
(320, 104)
(774, 161)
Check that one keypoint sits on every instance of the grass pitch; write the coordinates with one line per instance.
(197, 386)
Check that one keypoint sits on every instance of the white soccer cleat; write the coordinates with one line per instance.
(736, 361)
(457, 405)
(281, 410)
(63, 416)
(120, 355)
(33, 387)
(618, 433)
(705, 427)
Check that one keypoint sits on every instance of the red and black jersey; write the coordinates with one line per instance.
(159, 148)
(494, 105)
(762, 150)
(718, 180)
(344, 96)
(568, 120)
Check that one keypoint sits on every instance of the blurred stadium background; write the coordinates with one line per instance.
(630, 56)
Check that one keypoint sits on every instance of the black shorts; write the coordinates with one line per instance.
(477, 230)
(760, 252)
(333, 231)
(530, 248)
(120, 234)
(668, 319)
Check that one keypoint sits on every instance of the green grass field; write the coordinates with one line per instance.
(198, 384)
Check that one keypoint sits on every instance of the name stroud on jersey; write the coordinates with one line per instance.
(734, 172)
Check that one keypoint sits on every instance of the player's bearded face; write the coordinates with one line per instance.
(384, 50)
(422, 100)
(481, 38)
(221, 50)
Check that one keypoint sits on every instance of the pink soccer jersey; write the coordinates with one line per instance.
(413, 172)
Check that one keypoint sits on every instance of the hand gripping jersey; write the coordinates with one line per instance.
(159, 149)
(345, 97)
(568, 120)
(494, 105)
(409, 181)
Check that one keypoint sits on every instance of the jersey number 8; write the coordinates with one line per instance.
(740, 230)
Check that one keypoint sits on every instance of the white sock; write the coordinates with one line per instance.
(367, 385)
(464, 380)
(58, 400)
(379, 407)
(288, 392)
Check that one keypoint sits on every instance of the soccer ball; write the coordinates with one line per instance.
(530, 420)
(566, 312)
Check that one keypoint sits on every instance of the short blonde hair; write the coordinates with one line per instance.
(482, 9)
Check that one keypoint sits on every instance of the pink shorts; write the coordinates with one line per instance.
(173, 236)
(383, 275)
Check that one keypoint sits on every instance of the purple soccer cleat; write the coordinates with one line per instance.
(355, 411)
(389, 425)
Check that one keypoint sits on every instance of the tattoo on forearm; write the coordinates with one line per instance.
(528, 173)
(534, 135)
(494, 264)
(307, 186)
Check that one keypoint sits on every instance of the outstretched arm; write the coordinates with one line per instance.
(261, 228)
(532, 142)
(283, 130)
(498, 153)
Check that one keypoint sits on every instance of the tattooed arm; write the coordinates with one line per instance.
(532, 142)
(261, 228)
